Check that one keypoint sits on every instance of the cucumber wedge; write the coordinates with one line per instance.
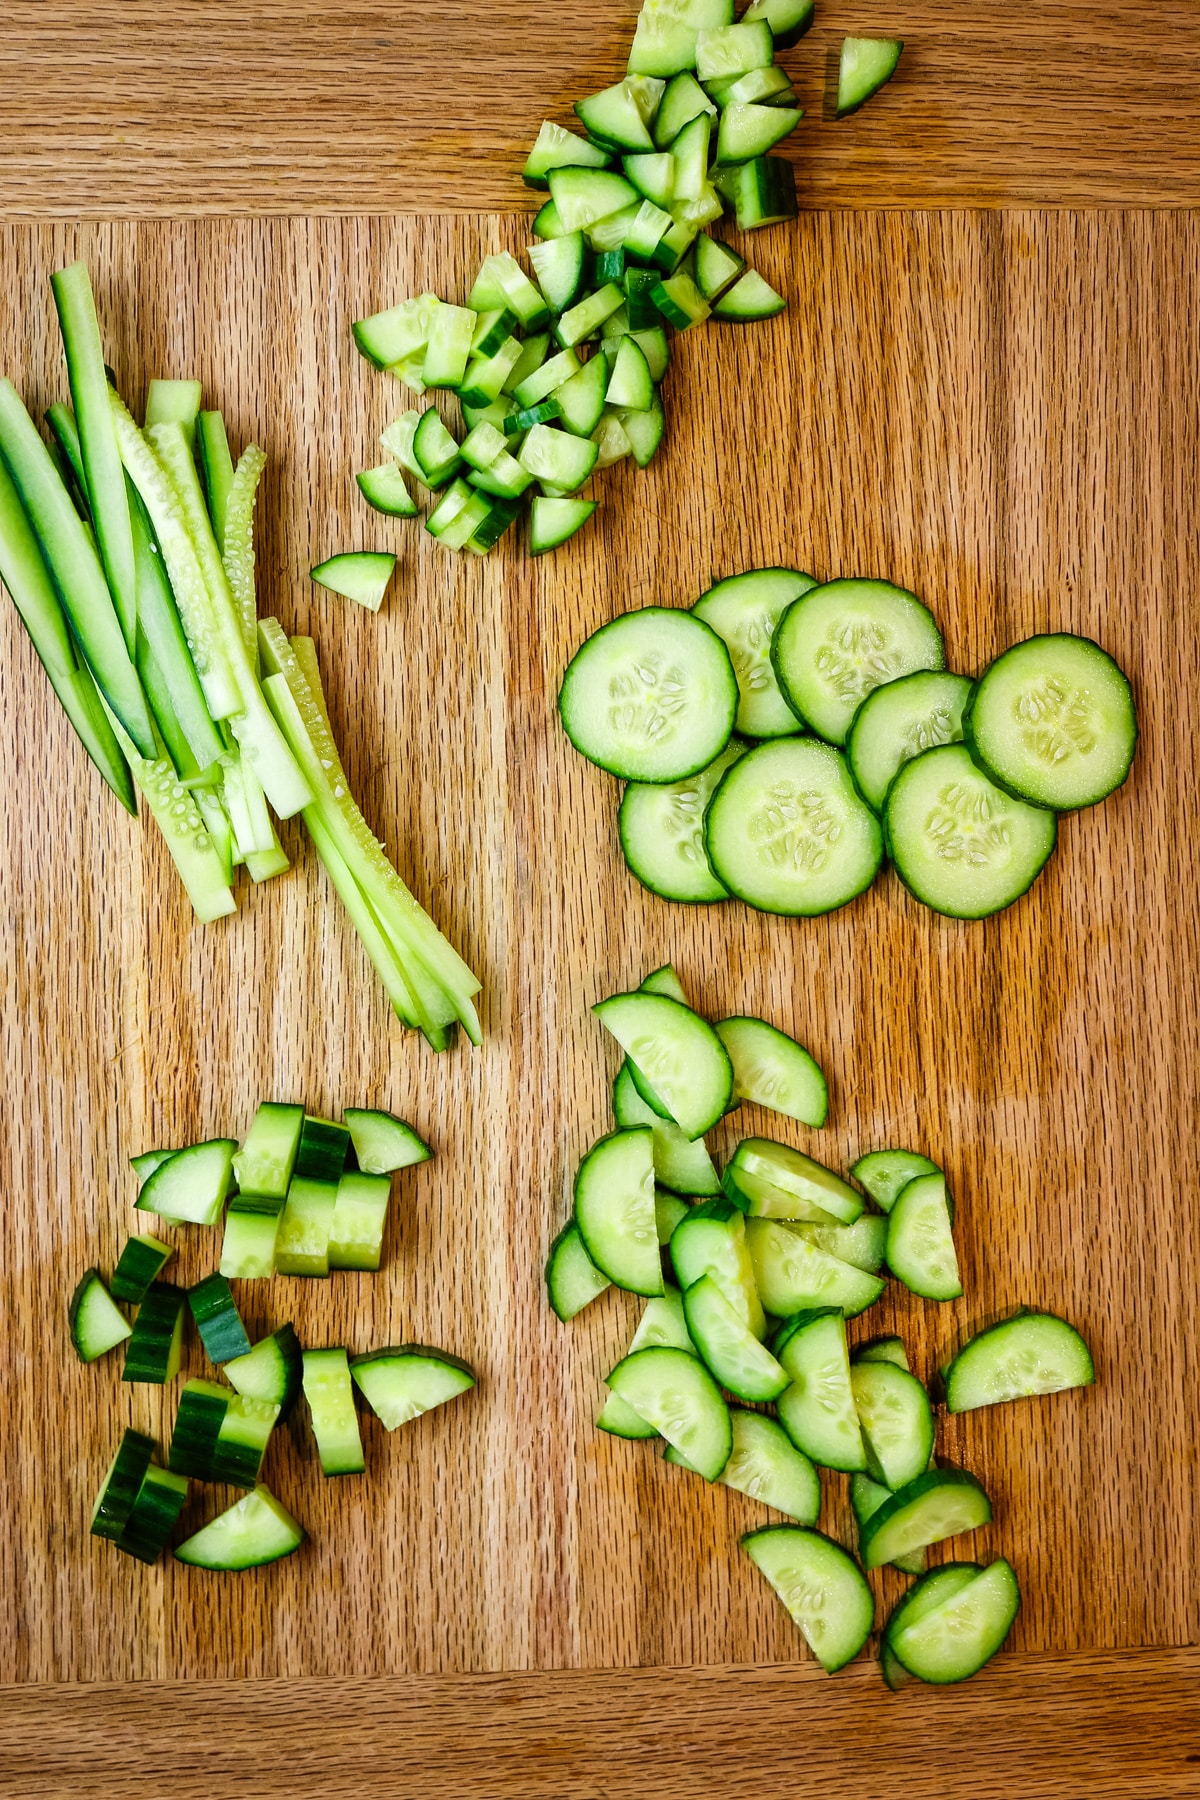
(896, 1420)
(920, 1243)
(951, 1639)
(794, 1274)
(254, 1531)
(885, 1173)
(778, 1182)
(362, 575)
(673, 1391)
(865, 65)
(614, 1209)
(817, 1411)
(1031, 1353)
(822, 1587)
(740, 1363)
(677, 1052)
(771, 1069)
(402, 1383)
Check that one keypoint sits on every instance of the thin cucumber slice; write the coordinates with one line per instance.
(787, 832)
(763, 192)
(385, 488)
(556, 148)
(863, 68)
(614, 1209)
(673, 1391)
(140, 1263)
(402, 1383)
(251, 1232)
(839, 642)
(302, 1240)
(727, 1345)
(1052, 721)
(866, 1498)
(362, 575)
(253, 1531)
(680, 1163)
(920, 1242)
(744, 611)
(959, 843)
(662, 833)
(190, 1187)
(900, 720)
(952, 1640)
(885, 1173)
(265, 1163)
(766, 1465)
(270, 1372)
(330, 1396)
(772, 1069)
(359, 1220)
(650, 697)
(1032, 1353)
(817, 1411)
(794, 1274)
(382, 1142)
(884, 1349)
(96, 1321)
(155, 1348)
(711, 1241)
(218, 1320)
(678, 1053)
(939, 1504)
(788, 19)
(153, 1515)
(822, 1587)
(896, 1420)
(804, 1189)
(122, 1482)
(552, 522)
(748, 300)
(862, 1243)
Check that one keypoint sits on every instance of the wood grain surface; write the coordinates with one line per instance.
(1105, 1726)
(1000, 411)
(135, 108)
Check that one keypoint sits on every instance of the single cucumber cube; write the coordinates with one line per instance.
(680, 301)
(646, 230)
(611, 441)
(302, 1243)
(611, 233)
(198, 1420)
(217, 1319)
(460, 514)
(763, 191)
(690, 151)
(155, 1348)
(502, 513)
(757, 86)
(547, 224)
(359, 1217)
(639, 285)
(504, 477)
(251, 1230)
(674, 245)
(153, 1515)
(361, 575)
(733, 50)
(557, 457)
(265, 1163)
(330, 1396)
(519, 292)
(242, 1440)
(141, 1262)
(482, 445)
(583, 196)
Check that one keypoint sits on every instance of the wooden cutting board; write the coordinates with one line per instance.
(998, 409)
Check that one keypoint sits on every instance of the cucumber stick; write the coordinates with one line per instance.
(330, 1396)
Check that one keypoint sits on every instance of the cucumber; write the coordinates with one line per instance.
(384, 488)
(751, 129)
(556, 148)
(541, 380)
(616, 118)
(382, 1142)
(800, 1187)
(817, 1411)
(900, 720)
(661, 827)
(771, 1069)
(630, 384)
(711, 1241)
(330, 1396)
(1052, 721)
(959, 843)
(885, 1173)
(359, 1220)
(580, 398)
(866, 1498)
(926, 1596)
(762, 192)
(794, 1274)
(680, 1163)
(680, 301)
(155, 1348)
(140, 1263)
(838, 642)
(97, 1323)
(822, 1587)
(253, 1531)
(1031, 1353)
(154, 1513)
(939, 1504)
(739, 1362)
(863, 1244)
(322, 1150)
(748, 300)
(787, 832)
(122, 1482)
(717, 267)
(265, 1163)
(561, 264)
(189, 1188)
(683, 100)
(788, 19)
(302, 1238)
(664, 42)
(572, 1279)
(552, 522)
(920, 1244)
(896, 1421)
(864, 66)
(765, 1465)
(402, 1383)
(664, 980)
(251, 1233)
(677, 1052)
(653, 175)
(435, 450)
(883, 1349)
(581, 197)
(203, 1406)
(663, 1324)
(673, 1391)
(614, 1209)
(951, 1639)
(388, 338)
(218, 1320)
(744, 611)
(363, 575)
(270, 1372)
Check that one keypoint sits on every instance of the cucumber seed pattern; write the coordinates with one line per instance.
(858, 656)
(936, 728)
(1056, 720)
(795, 828)
(970, 824)
(646, 697)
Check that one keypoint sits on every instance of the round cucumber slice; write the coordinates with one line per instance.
(960, 843)
(662, 833)
(650, 697)
(1053, 721)
(614, 1209)
(899, 721)
(680, 1163)
(772, 1069)
(817, 1411)
(767, 1466)
(822, 1587)
(673, 1391)
(787, 832)
(839, 642)
(744, 611)
(952, 1640)
(729, 1348)
(920, 1243)
(677, 1052)
(254, 1531)
(1033, 1353)
(884, 1173)
(896, 1419)
(939, 1504)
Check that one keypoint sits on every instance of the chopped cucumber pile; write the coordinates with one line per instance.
(741, 1366)
(783, 737)
(303, 1195)
(129, 554)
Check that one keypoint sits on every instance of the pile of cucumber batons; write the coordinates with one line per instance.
(783, 735)
(623, 257)
(749, 1278)
(306, 1196)
(129, 554)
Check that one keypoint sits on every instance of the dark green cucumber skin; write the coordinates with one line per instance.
(159, 1311)
(194, 1439)
(944, 912)
(116, 1503)
(151, 1523)
(217, 1319)
(979, 760)
(321, 1154)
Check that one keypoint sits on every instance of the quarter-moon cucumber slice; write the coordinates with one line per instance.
(817, 1195)
(952, 1639)
(937, 1505)
(772, 1069)
(744, 611)
(920, 1244)
(662, 833)
(673, 1391)
(864, 66)
(403, 1382)
(885, 1173)
(362, 575)
(614, 1209)
(385, 488)
(254, 1531)
(766, 1465)
(1033, 1353)
(822, 1587)
(651, 697)
(899, 721)
(839, 642)
(677, 1052)
(793, 1274)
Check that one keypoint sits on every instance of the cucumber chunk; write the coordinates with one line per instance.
(896, 1421)
(777, 1182)
(265, 1163)
(198, 1420)
(744, 610)
(920, 1243)
(251, 1233)
(556, 148)
(952, 1640)
(1031, 1353)
(794, 1274)
(838, 642)
(680, 1163)
(382, 1142)
(153, 1515)
(359, 1220)
(748, 300)
(677, 1052)
(863, 1244)
(959, 843)
(155, 1348)
(885, 1173)
(96, 1321)
(141, 1262)
(402, 1383)
(939, 1504)
(122, 1482)
(270, 1372)
(863, 68)
(255, 1530)
(711, 1241)
(302, 1239)
(572, 1279)
(925, 1596)
(330, 1396)
(817, 1410)
(771, 1069)
(735, 1356)
(616, 118)
(673, 1391)
(662, 833)
(787, 832)
(553, 521)
(866, 1498)
(822, 1587)
(717, 267)
(900, 720)
(614, 1209)
(218, 1320)
(766, 1465)
(362, 575)
(385, 488)
(189, 1187)
(1052, 720)
(883, 1349)
(788, 19)
(581, 197)
(664, 42)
